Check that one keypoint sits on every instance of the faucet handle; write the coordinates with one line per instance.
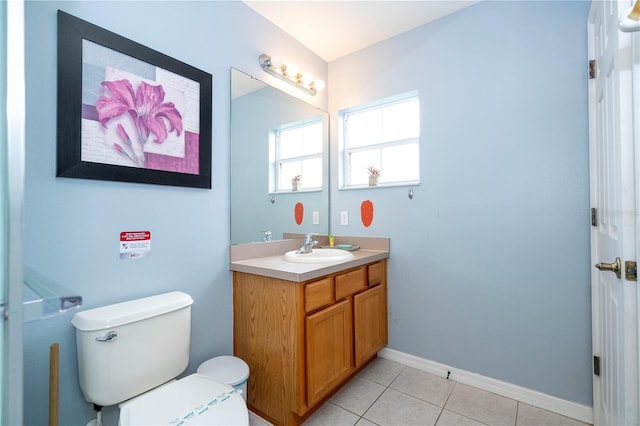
(308, 243)
(309, 236)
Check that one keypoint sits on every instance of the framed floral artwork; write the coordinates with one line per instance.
(129, 113)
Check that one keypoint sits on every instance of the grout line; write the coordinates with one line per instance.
(466, 415)
(345, 409)
(386, 387)
(446, 400)
(439, 415)
(450, 393)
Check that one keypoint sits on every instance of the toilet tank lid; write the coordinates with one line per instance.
(130, 311)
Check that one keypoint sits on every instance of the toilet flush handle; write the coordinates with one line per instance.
(109, 337)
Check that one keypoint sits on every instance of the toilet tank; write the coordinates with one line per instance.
(129, 348)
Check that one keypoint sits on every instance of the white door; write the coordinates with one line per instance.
(4, 197)
(11, 194)
(613, 194)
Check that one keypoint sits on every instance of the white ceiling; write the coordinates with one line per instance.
(333, 29)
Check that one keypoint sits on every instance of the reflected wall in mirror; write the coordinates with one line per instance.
(273, 140)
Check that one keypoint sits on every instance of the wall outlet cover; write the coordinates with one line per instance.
(344, 218)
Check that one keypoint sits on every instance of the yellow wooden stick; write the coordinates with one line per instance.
(54, 360)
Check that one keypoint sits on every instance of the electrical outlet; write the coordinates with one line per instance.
(344, 218)
(316, 218)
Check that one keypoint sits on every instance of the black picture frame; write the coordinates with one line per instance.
(80, 122)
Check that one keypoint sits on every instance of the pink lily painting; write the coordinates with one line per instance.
(144, 109)
(129, 113)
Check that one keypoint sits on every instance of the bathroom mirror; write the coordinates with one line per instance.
(262, 196)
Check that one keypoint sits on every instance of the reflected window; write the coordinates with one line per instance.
(384, 135)
(296, 150)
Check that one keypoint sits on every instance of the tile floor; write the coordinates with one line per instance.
(387, 393)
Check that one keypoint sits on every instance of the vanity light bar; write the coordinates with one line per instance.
(290, 74)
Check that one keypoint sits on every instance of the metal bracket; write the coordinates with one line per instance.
(630, 271)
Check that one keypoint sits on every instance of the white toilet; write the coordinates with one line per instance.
(131, 352)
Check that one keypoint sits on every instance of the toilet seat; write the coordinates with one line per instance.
(192, 400)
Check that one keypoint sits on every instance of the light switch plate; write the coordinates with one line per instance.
(316, 218)
(344, 218)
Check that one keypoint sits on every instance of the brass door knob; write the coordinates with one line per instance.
(613, 267)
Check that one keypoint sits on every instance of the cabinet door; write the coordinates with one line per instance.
(370, 323)
(329, 349)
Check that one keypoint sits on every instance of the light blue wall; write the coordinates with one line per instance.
(72, 226)
(490, 260)
(489, 267)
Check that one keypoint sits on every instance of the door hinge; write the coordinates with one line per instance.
(594, 216)
(592, 68)
(630, 270)
(596, 365)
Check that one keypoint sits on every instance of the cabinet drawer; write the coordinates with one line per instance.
(318, 294)
(350, 283)
(375, 274)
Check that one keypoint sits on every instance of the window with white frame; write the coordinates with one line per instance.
(384, 135)
(296, 150)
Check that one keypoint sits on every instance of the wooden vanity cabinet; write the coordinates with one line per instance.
(303, 340)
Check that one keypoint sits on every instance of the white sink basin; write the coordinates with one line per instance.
(318, 256)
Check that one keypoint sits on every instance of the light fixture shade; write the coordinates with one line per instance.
(318, 85)
(306, 78)
(291, 70)
(290, 74)
(276, 62)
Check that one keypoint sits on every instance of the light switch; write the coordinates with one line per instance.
(316, 218)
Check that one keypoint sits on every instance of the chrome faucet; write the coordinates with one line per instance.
(308, 243)
(268, 236)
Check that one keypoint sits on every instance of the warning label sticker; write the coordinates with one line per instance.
(135, 244)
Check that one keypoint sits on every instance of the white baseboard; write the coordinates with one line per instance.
(581, 412)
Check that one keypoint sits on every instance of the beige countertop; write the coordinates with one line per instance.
(266, 259)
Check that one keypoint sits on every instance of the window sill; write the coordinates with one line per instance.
(305, 191)
(380, 185)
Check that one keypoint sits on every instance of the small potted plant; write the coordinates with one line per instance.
(374, 173)
(295, 182)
